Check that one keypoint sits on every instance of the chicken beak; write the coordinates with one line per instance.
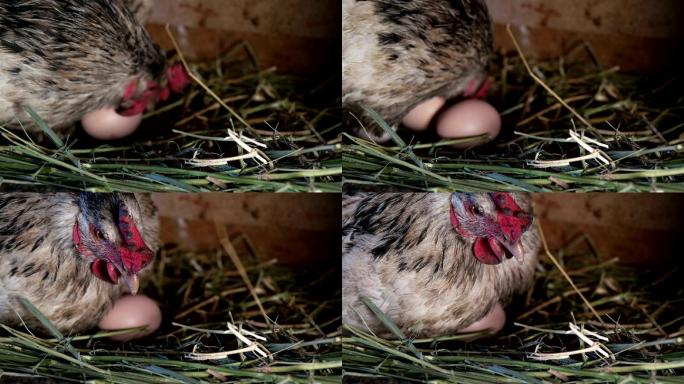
(132, 283)
(516, 250)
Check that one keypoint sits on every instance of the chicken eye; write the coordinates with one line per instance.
(476, 209)
(99, 235)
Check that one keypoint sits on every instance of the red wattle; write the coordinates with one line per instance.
(470, 89)
(496, 248)
(477, 90)
(484, 90)
(482, 249)
(112, 272)
(164, 94)
(130, 90)
(104, 271)
(136, 109)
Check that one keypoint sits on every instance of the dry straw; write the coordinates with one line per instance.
(569, 125)
(238, 127)
(217, 334)
(585, 320)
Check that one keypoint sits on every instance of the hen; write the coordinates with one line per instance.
(435, 263)
(66, 58)
(72, 255)
(398, 54)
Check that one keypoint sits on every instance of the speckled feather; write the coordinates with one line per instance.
(38, 259)
(401, 252)
(141, 8)
(397, 54)
(65, 58)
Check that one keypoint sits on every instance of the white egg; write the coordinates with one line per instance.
(132, 312)
(469, 118)
(420, 116)
(106, 124)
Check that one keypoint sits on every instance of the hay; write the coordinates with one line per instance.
(237, 128)
(569, 125)
(556, 337)
(213, 331)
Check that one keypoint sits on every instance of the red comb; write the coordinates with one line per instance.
(512, 219)
(135, 254)
(178, 78)
(477, 90)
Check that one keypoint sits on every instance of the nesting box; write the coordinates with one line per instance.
(635, 35)
(297, 36)
(297, 229)
(640, 229)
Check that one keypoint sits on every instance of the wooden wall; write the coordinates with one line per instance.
(297, 229)
(300, 36)
(645, 229)
(638, 36)
(303, 35)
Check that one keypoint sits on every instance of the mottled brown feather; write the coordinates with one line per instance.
(398, 54)
(65, 58)
(38, 260)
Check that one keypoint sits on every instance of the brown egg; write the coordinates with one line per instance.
(106, 124)
(132, 312)
(420, 116)
(469, 118)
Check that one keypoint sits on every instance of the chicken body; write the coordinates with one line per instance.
(66, 58)
(141, 8)
(72, 255)
(398, 54)
(435, 263)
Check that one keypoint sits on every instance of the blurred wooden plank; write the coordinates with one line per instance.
(290, 246)
(636, 36)
(290, 54)
(642, 229)
(641, 247)
(266, 210)
(296, 229)
(303, 18)
(631, 54)
(296, 36)
(652, 19)
(639, 211)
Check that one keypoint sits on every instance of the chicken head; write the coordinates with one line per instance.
(493, 221)
(140, 96)
(106, 235)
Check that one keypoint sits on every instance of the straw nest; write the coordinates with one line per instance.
(224, 321)
(239, 127)
(586, 320)
(569, 125)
